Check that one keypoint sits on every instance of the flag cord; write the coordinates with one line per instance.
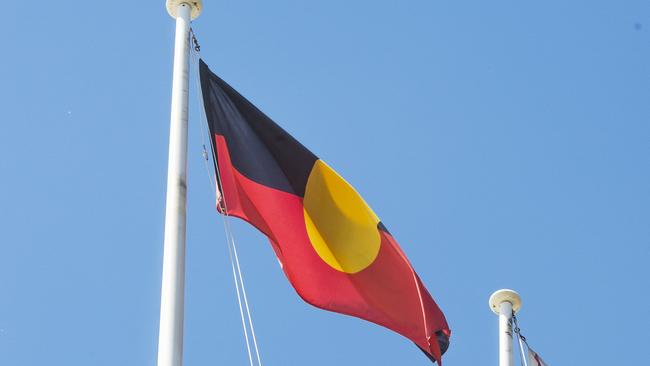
(215, 183)
(227, 229)
(520, 338)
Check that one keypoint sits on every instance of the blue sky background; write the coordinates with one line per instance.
(503, 143)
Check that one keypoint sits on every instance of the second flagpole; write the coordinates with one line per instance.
(170, 336)
(505, 303)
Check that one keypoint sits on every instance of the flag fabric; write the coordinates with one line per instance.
(332, 247)
(534, 359)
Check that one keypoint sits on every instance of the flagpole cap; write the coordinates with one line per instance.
(197, 7)
(503, 295)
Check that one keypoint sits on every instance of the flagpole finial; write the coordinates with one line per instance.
(196, 5)
(504, 295)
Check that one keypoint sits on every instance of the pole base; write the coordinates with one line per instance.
(505, 295)
(197, 7)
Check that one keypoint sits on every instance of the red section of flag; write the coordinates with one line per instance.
(388, 292)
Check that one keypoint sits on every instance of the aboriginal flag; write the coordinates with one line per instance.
(334, 250)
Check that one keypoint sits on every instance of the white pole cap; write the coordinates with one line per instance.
(197, 7)
(505, 295)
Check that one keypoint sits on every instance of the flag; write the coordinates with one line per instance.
(534, 359)
(332, 247)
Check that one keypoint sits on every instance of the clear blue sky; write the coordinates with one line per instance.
(503, 143)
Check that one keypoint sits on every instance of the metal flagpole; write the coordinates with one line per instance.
(170, 336)
(505, 303)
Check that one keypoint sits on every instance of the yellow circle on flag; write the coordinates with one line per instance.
(341, 226)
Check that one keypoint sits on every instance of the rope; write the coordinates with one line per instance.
(232, 249)
(195, 55)
(250, 320)
(241, 311)
(230, 239)
(521, 340)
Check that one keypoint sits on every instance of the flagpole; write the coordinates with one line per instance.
(505, 303)
(170, 336)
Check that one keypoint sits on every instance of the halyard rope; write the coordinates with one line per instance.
(230, 239)
(520, 338)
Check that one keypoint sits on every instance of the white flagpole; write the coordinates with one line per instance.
(505, 303)
(170, 336)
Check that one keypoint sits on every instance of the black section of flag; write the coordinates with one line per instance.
(382, 227)
(259, 148)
